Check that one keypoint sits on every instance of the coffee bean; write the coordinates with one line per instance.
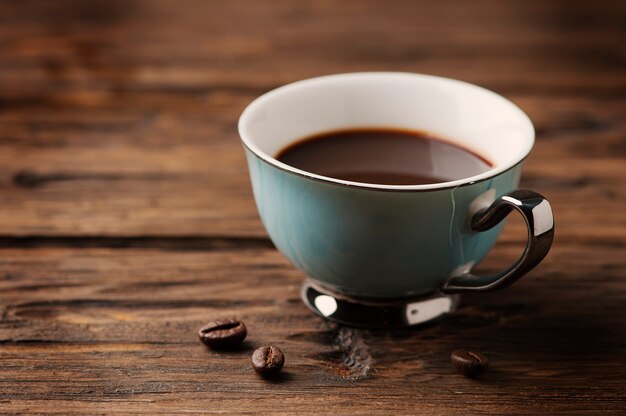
(223, 333)
(469, 363)
(268, 360)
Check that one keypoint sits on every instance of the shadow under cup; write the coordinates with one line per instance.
(380, 243)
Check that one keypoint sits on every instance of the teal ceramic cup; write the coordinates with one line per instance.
(367, 249)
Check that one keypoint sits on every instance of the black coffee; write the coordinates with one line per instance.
(383, 156)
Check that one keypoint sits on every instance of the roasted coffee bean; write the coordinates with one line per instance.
(223, 333)
(469, 363)
(268, 360)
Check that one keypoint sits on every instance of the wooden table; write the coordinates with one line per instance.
(127, 219)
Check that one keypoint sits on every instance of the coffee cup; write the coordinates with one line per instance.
(392, 255)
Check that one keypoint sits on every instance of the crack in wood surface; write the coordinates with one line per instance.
(201, 242)
(42, 309)
(30, 179)
(171, 243)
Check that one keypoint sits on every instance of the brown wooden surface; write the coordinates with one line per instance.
(127, 218)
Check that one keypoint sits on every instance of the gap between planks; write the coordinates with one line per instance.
(205, 243)
(169, 243)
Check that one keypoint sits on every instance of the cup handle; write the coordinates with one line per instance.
(537, 214)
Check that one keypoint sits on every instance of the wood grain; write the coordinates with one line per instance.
(129, 129)
(127, 219)
(105, 330)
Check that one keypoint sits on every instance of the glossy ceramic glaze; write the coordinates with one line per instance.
(373, 243)
(379, 240)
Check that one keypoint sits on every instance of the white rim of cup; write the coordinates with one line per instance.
(489, 174)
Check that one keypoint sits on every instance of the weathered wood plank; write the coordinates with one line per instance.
(101, 330)
(93, 172)
(128, 128)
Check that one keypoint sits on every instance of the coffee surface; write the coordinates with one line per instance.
(383, 156)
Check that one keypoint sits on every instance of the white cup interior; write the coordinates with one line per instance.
(461, 113)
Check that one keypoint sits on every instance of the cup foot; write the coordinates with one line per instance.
(376, 313)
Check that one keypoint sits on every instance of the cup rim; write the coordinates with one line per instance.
(271, 160)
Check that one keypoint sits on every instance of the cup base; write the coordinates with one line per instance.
(377, 313)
